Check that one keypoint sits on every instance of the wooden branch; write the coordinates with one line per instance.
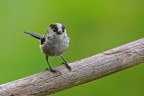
(83, 71)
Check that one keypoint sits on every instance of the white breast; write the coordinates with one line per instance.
(55, 45)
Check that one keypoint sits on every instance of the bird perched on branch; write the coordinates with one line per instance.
(53, 43)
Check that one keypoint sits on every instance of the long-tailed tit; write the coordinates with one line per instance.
(54, 42)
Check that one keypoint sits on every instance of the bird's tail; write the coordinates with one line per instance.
(33, 35)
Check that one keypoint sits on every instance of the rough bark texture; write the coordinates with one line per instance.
(83, 71)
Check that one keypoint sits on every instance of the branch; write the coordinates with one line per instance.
(83, 71)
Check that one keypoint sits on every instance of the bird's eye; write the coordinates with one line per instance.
(54, 29)
(63, 29)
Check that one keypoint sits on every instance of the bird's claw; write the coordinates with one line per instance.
(66, 65)
(53, 71)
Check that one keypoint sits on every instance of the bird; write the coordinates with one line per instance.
(53, 43)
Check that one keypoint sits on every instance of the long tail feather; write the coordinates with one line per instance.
(33, 35)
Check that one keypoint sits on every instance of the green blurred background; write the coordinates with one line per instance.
(94, 26)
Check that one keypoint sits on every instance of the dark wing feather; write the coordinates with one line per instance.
(42, 40)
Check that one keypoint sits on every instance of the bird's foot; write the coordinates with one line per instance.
(67, 66)
(53, 71)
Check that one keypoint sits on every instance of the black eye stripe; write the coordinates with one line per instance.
(54, 27)
(63, 28)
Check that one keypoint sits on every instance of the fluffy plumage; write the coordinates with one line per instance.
(54, 42)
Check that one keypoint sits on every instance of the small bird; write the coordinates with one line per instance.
(53, 43)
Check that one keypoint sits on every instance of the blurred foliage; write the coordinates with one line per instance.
(94, 26)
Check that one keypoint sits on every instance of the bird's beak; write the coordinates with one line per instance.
(59, 32)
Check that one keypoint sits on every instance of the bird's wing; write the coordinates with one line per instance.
(42, 40)
(33, 35)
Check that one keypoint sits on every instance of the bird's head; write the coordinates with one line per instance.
(57, 28)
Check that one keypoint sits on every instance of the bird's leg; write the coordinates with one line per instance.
(52, 70)
(65, 63)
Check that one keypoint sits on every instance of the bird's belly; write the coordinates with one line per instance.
(54, 49)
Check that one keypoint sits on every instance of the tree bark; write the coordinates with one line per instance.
(83, 71)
